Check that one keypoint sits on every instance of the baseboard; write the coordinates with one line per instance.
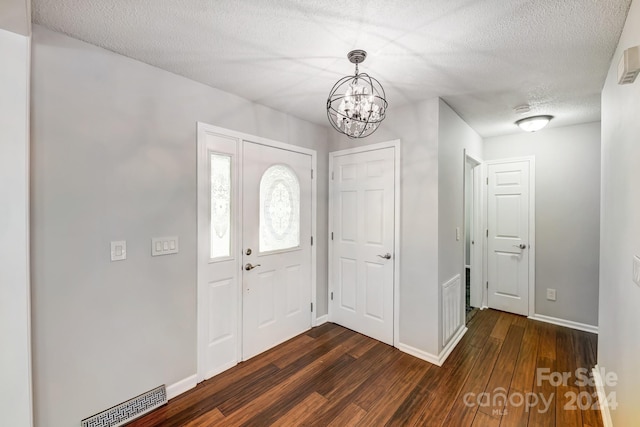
(431, 358)
(602, 398)
(420, 354)
(453, 342)
(322, 319)
(566, 323)
(181, 386)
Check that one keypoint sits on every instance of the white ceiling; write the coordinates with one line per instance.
(483, 57)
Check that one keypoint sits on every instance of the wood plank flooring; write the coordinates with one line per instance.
(332, 376)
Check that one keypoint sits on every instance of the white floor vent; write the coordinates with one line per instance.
(129, 410)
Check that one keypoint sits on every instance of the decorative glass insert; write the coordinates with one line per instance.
(279, 209)
(220, 167)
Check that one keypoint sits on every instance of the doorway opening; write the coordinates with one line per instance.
(473, 237)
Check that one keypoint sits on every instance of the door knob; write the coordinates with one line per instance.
(248, 266)
(521, 246)
(385, 256)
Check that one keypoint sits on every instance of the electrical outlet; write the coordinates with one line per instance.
(636, 270)
(551, 294)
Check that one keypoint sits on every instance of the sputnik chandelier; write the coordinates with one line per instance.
(356, 105)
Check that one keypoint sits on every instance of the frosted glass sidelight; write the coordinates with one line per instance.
(279, 209)
(220, 167)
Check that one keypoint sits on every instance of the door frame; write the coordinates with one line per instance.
(532, 224)
(395, 144)
(202, 164)
(476, 224)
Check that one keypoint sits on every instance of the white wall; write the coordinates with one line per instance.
(567, 215)
(619, 316)
(15, 369)
(114, 157)
(416, 125)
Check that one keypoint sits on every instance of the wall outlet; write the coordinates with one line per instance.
(551, 294)
(636, 270)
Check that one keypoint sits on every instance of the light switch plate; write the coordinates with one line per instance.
(551, 294)
(118, 250)
(165, 245)
(636, 270)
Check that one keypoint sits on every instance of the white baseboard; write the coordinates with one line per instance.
(602, 398)
(181, 386)
(322, 319)
(567, 323)
(431, 358)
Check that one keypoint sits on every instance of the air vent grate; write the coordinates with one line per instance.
(129, 410)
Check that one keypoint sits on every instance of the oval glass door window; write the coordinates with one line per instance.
(220, 166)
(279, 209)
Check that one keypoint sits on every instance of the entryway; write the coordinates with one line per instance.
(363, 247)
(256, 259)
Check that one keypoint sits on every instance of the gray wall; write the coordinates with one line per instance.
(114, 157)
(567, 215)
(15, 369)
(454, 137)
(416, 126)
(619, 339)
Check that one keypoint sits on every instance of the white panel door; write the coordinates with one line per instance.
(362, 261)
(508, 213)
(218, 308)
(276, 246)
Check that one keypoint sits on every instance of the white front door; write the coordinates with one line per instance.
(508, 211)
(276, 246)
(362, 261)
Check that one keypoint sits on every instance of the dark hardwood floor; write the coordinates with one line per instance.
(332, 376)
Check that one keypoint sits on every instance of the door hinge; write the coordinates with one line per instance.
(332, 235)
(311, 173)
(332, 175)
(311, 240)
(487, 232)
(331, 296)
(487, 181)
(487, 285)
(312, 307)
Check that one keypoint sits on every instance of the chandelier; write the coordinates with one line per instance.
(356, 105)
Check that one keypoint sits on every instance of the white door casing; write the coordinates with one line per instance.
(510, 243)
(363, 249)
(221, 169)
(276, 208)
(476, 230)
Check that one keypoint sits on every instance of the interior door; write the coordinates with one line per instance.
(508, 213)
(276, 246)
(362, 272)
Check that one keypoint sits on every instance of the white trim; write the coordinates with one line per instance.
(566, 323)
(240, 137)
(602, 397)
(321, 320)
(182, 386)
(444, 354)
(532, 224)
(395, 144)
(476, 225)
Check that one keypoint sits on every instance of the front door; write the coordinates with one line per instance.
(508, 213)
(362, 272)
(276, 246)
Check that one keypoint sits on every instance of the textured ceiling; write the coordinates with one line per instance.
(483, 57)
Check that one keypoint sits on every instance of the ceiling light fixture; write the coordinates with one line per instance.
(356, 105)
(534, 123)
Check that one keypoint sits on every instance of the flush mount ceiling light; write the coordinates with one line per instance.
(533, 124)
(356, 105)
